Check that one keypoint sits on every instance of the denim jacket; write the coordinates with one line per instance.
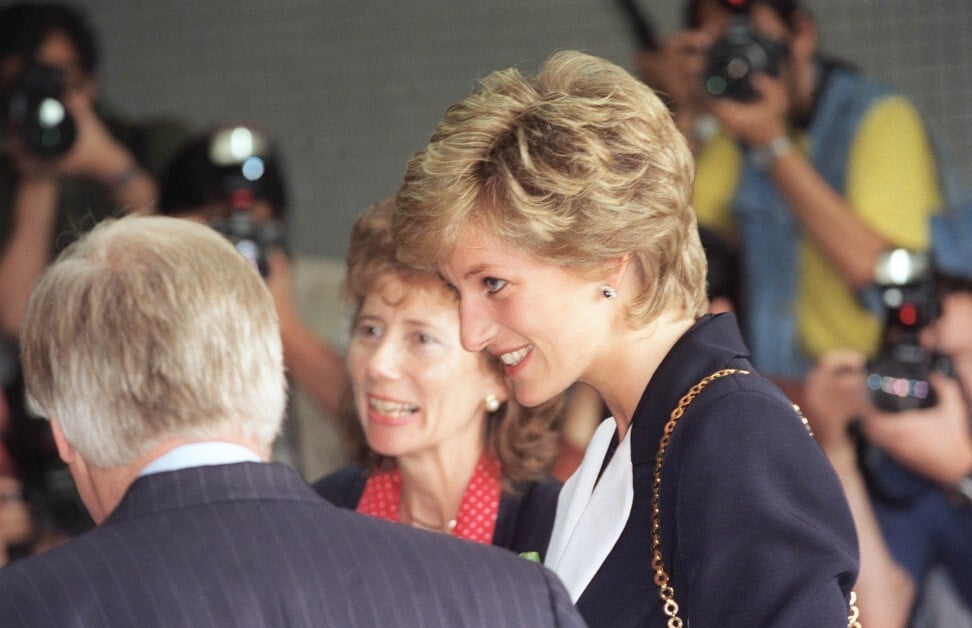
(771, 257)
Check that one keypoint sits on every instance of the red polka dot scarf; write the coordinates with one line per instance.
(476, 519)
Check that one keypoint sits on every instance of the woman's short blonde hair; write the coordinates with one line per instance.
(524, 439)
(580, 165)
(150, 328)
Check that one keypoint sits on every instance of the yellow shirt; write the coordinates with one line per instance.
(892, 185)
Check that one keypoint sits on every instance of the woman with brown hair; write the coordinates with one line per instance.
(442, 443)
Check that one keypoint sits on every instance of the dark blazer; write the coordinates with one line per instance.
(523, 523)
(755, 529)
(250, 544)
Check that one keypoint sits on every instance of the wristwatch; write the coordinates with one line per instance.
(764, 156)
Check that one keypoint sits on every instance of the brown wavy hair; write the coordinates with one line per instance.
(524, 439)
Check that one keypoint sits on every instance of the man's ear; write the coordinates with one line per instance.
(65, 450)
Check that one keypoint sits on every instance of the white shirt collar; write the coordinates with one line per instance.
(199, 455)
(591, 512)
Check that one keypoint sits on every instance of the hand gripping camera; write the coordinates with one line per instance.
(738, 55)
(32, 107)
(897, 376)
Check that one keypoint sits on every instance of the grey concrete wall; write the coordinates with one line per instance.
(351, 89)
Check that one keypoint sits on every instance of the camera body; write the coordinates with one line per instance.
(738, 55)
(897, 377)
(252, 239)
(32, 107)
(240, 155)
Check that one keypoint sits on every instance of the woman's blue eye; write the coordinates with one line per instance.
(493, 284)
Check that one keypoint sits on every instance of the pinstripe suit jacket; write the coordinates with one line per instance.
(249, 544)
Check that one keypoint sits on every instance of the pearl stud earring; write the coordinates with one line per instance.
(492, 403)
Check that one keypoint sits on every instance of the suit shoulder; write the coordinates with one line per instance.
(483, 584)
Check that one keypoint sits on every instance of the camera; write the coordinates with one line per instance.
(250, 238)
(240, 156)
(897, 376)
(32, 107)
(739, 54)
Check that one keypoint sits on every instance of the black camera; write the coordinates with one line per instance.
(240, 155)
(251, 239)
(738, 55)
(897, 376)
(33, 108)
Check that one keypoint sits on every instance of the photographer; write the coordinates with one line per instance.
(90, 171)
(813, 171)
(231, 178)
(64, 166)
(906, 474)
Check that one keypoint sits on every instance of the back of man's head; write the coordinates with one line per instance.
(149, 329)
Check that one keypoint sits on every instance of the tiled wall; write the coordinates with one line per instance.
(352, 88)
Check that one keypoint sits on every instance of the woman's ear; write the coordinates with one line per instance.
(615, 270)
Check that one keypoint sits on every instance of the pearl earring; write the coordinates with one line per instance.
(608, 292)
(492, 403)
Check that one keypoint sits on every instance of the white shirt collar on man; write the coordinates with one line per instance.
(199, 455)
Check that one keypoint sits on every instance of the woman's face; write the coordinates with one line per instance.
(416, 390)
(545, 322)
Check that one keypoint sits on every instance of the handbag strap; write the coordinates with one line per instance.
(662, 579)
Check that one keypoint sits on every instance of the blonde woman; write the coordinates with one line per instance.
(558, 207)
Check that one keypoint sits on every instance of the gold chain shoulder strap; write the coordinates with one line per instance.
(665, 590)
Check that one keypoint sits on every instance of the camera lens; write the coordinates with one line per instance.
(736, 57)
(35, 111)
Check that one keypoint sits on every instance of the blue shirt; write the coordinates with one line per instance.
(200, 455)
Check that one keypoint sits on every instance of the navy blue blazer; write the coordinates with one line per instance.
(755, 529)
(251, 544)
(523, 523)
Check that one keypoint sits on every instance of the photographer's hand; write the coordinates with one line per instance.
(935, 442)
(96, 154)
(834, 397)
(759, 122)
(842, 236)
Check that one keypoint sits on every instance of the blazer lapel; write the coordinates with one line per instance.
(591, 513)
